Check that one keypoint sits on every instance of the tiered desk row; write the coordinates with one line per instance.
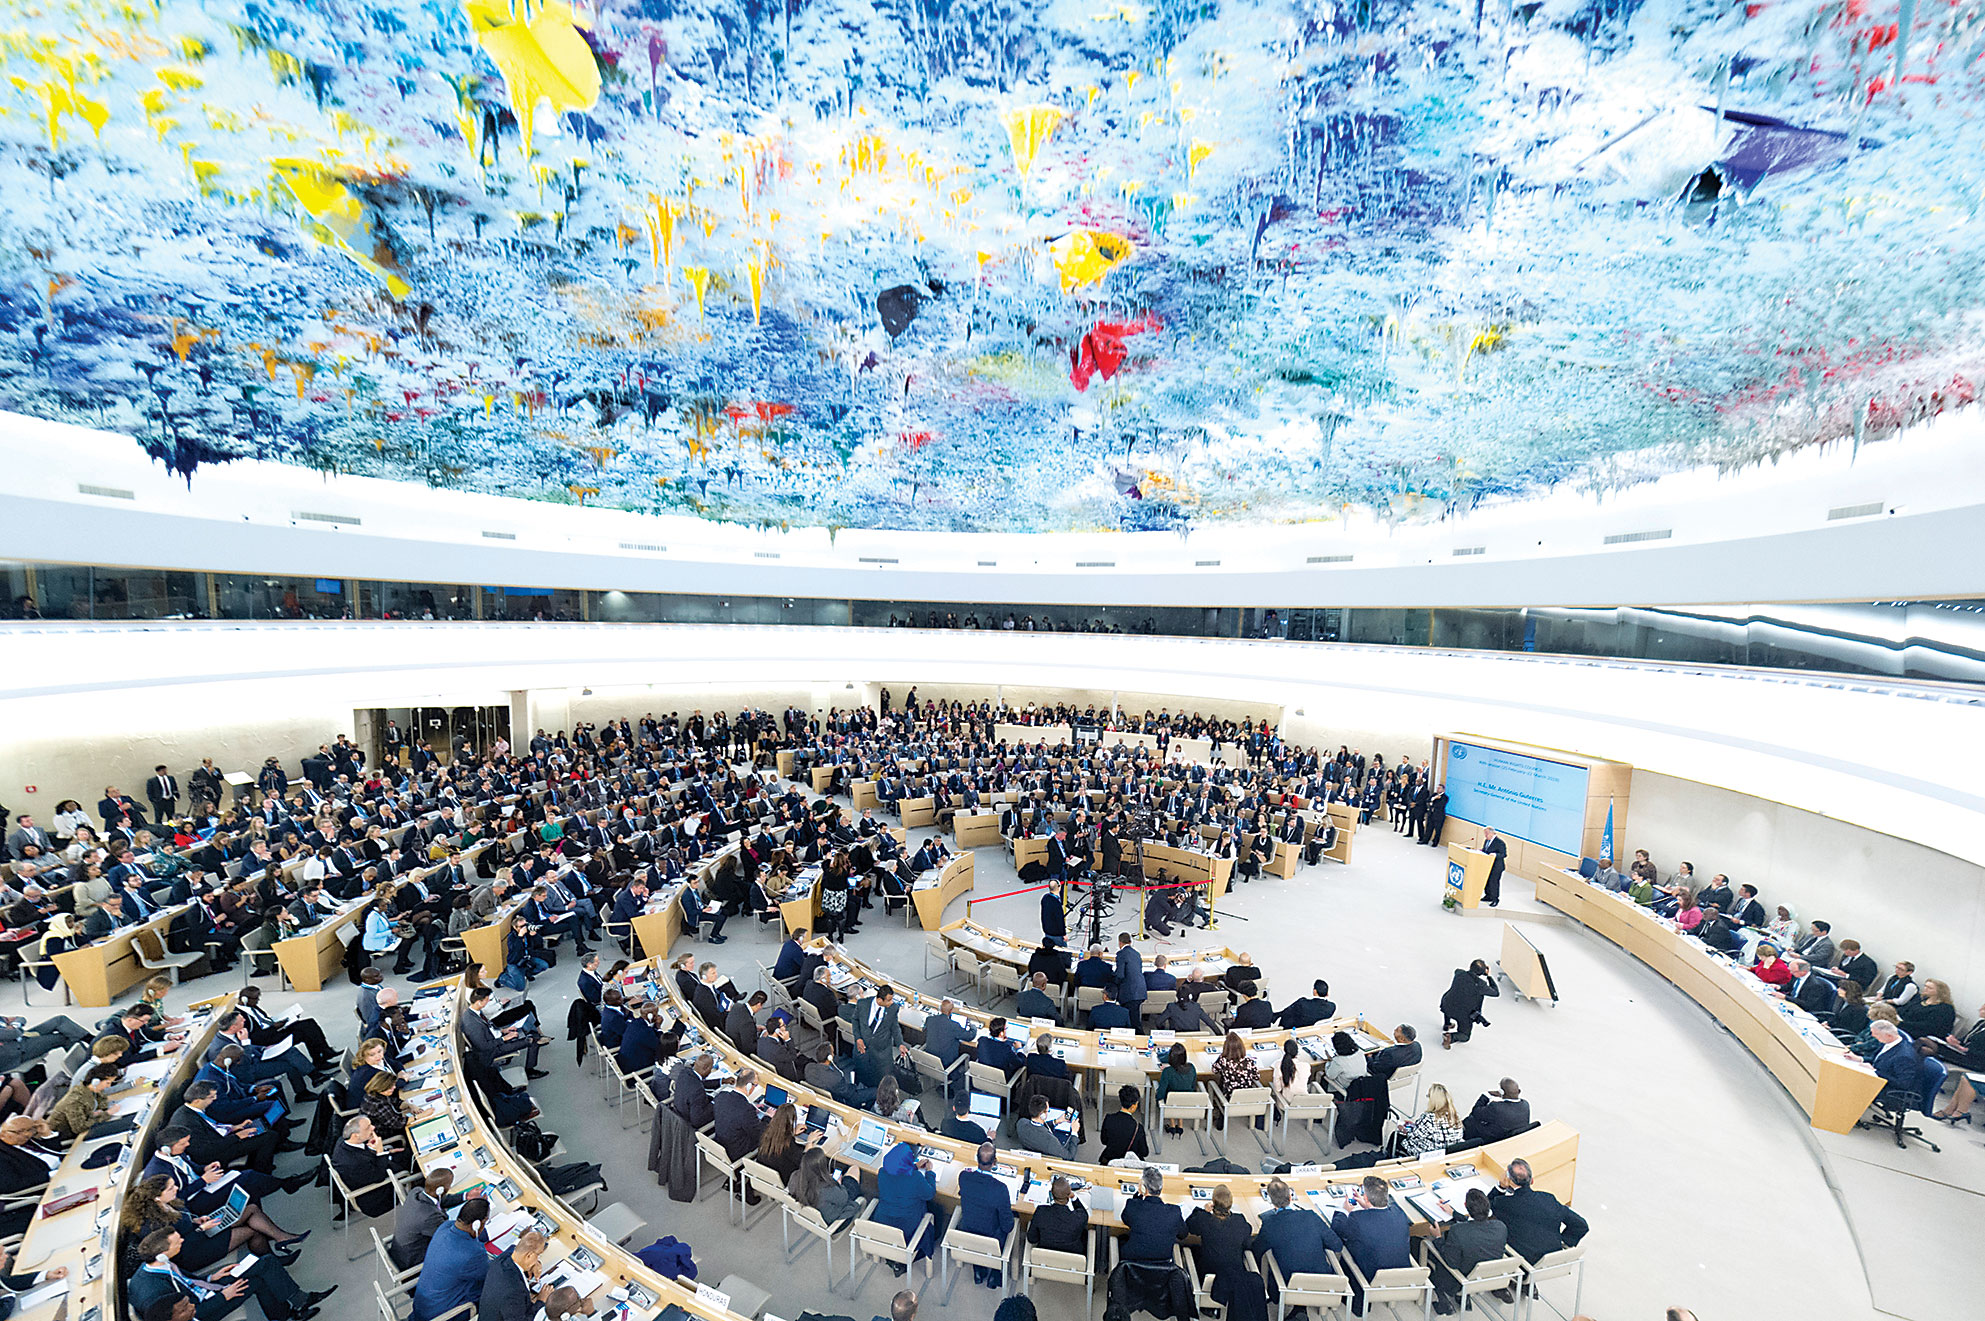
(1830, 1084)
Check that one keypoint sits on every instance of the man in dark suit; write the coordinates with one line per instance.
(1747, 911)
(1060, 863)
(108, 917)
(1131, 989)
(1716, 892)
(985, 1207)
(820, 994)
(878, 1036)
(1095, 970)
(1253, 1011)
(1109, 1014)
(115, 807)
(997, 1052)
(1538, 1223)
(216, 1140)
(1808, 990)
(1296, 1235)
(509, 1291)
(738, 1123)
(775, 1047)
(1375, 1232)
(1498, 851)
(1467, 1242)
(1054, 917)
(1497, 1115)
(959, 1124)
(1896, 1060)
(689, 1091)
(1314, 1008)
(945, 1036)
(163, 791)
(1159, 978)
(1050, 960)
(741, 1023)
(488, 1044)
(1404, 1053)
(1062, 1225)
(1042, 1063)
(1184, 1016)
(1035, 1002)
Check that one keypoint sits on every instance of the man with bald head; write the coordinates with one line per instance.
(511, 1291)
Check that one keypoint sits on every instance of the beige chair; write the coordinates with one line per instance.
(350, 1198)
(1400, 1284)
(391, 1309)
(624, 1085)
(1191, 1110)
(619, 1222)
(1086, 998)
(1308, 1109)
(1061, 1268)
(1505, 1272)
(1243, 1103)
(152, 954)
(936, 947)
(711, 1152)
(1404, 1081)
(1330, 1295)
(1002, 979)
(1565, 1263)
(402, 1279)
(765, 1181)
(812, 1226)
(993, 1082)
(880, 1243)
(961, 1250)
(1115, 1079)
(931, 1069)
(966, 964)
(1202, 1293)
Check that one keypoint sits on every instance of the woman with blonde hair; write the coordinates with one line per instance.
(1223, 1242)
(1433, 1129)
(1931, 1015)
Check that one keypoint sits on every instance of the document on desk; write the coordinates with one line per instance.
(132, 1105)
(583, 1282)
(152, 1070)
(43, 1293)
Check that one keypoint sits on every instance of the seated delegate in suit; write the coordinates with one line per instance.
(1467, 1242)
(1034, 1134)
(1109, 1013)
(509, 1289)
(1538, 1223)
(1051, 961)
(361, 1160)
(1806, 988)
(1253, 1011)
(1375, 1232)
(985, 1207)
(425, 1210)
(456, 1265)
(735, 1114)
(1223, 1243)
(1896, 1060)
(997, 1052)
(1062, 1224)
(1404, 1053)
(1035, 1002)
(161, 1283)
(1297, 1236)
(1095, 970)
(1155, 1226)
(1042, 1062)
(944, 1036)
(689, 1091)
(1497, 1115)
(1313, 1008)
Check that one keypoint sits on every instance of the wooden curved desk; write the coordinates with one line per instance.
(480, 1153)
(99, 972)
(954, 879)
(995, 943)
(1551, 1148)
(311, 958)
(85, 1237)
(1831, 1085)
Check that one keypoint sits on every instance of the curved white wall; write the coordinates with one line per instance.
(1784, 533)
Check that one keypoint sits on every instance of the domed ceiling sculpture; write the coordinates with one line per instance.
(991, 266)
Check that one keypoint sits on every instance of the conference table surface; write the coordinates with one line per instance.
(1830, 1083)
(1001, 944)
(313, 956)
(517, 1199)
(99, 972)
(1551, 1148)
(83, 1239)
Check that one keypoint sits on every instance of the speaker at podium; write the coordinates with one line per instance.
(1467, 877)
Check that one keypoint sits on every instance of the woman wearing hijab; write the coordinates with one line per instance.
(905, 1189)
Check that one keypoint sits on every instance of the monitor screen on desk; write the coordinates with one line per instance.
(432, 1133)
(871, 1134)
(817, 1117)
(775, 1097)
(985, 1106)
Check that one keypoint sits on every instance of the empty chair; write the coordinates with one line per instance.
(1564, 1264)
(1328, 1294)
(1399, 1284)
(1504, 1272)
(403, 1278)
(879, 1243)
(619, 1222)
(811, 1225)
(1308, 1109)
(1245, 1104)
(711, 1152)
(1002, 980)
(1191, 1110)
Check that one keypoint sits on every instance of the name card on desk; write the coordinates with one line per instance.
(715, 1297)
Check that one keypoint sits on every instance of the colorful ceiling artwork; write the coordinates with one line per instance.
(1006, 266)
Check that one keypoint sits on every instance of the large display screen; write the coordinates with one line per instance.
(1526, 798)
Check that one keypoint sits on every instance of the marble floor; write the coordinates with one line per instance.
(1703, 1183)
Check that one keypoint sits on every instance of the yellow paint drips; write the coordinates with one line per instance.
(541, 55)
(1028, 130)
(332, 216)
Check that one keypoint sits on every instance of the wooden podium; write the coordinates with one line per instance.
(1467, 874)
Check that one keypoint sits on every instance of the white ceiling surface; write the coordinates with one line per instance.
(1896, 759)
(1761, 535)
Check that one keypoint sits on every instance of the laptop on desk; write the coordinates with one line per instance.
(869, 1141)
